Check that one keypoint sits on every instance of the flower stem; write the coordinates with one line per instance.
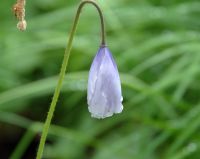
(63, 70)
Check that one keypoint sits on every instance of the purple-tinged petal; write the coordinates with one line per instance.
(104, 86)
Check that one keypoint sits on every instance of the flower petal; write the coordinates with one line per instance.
(104, 86)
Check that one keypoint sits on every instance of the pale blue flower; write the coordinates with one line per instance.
(104, 87)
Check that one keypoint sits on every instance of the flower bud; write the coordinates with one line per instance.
(104, 87)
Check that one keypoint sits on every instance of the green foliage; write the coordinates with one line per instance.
(156, 46)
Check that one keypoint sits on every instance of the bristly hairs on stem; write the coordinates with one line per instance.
(63, 70)
(19, 12)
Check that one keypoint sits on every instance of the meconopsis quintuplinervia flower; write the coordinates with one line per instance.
(104, 95)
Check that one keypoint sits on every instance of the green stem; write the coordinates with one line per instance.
(63, 70)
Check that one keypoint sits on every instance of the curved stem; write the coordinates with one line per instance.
(103, 42)
(63, 70)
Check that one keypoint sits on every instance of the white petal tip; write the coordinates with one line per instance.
(103, 115)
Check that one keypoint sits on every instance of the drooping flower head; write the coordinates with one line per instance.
(104, 87)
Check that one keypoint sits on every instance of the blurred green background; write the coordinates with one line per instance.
(156, 44)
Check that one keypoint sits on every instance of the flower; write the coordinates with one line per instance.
(104, 87)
